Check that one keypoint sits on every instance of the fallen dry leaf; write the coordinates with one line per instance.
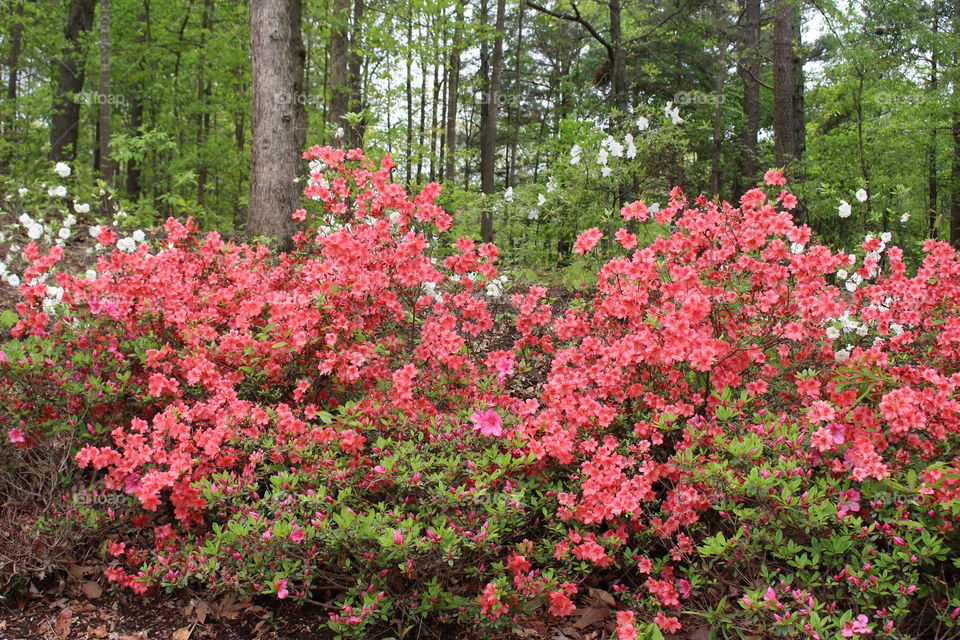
(183, 633)
(591, 616)
(91, 589)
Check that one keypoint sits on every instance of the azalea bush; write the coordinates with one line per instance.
(733, 427)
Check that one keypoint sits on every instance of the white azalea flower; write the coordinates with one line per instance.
(642, 123)
(533, 215)
(69, 221)
(606, 171)
(905, 217)
(841, 355)
(25, 220)
(551, 185)
(139, 236)
(94, 231)
(22, 191)
(541, 199)
(673, 113)
(833, 333)
(602, 156)
(64, 233)
(13, 280)
(81, 207)
(861, 195)
(57, 192)
(508, 194)
(842, 274)
(885, 237)
(844, 210)
(62, 169)
(34, 231)
(91, 274)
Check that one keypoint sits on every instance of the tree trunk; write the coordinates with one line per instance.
(955, 130)
(279, 118)
(106, 167)
(488, 138)
(134, 187)
(70, 75)
(620, 97)
(355, 131)
(453, 88)
(203, 105)
(932, 184)
(13, 68)
(748, 68)
(339, 70)
(408, 157)
(718, 105)
(786, 144)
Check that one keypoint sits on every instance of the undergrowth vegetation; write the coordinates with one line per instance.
(732, 428)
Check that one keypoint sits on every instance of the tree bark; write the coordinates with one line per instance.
(785, 109)
(721, 78)
(932, 184)
(279, 118)
(13, 75)
(70, 76)
(619, 80)
(339, 69)
(748, 68)
(356, 130)
(453, 88)
(106, 166)
(488, 138)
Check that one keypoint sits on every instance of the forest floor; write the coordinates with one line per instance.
(78, 608)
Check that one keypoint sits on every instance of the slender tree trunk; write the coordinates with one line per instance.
(105, 98)
(409, 87)
(133, 171)
(339, 69)
(453, 88)
(13, 75)
(515, 103)
(620, 97)
(203, 106)
(955, 130)
(423, 110)
(437, 85)
(355, 131)
(488, 138)
(748, 68)
(70, 76)
(932, 184)
(786, 145)
(279, 117)
(718, 105)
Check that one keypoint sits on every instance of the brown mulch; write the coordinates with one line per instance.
(84, 611)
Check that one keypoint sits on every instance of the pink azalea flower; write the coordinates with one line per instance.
(17, 435)
(297, 534)
(504, 367)
(282, 589)
(488, 422)
(848, 502)
(859, 625)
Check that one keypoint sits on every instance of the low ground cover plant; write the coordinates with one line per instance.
(733, 428)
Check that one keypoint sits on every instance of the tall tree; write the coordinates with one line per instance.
(748, 68)
(488, 137)
(788, 101)
(453, 90)
(279, 117)
(70, 76)
(13, 76)
(105, 99)
(339, 71)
